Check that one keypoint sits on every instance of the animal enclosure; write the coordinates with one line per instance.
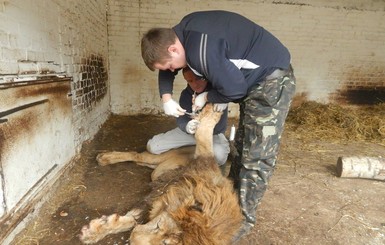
(67, 66)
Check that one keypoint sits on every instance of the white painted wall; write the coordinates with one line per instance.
(61, 38)
(36, 139)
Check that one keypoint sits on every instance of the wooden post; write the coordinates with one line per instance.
(361, 167)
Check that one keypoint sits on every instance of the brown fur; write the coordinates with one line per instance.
(191, 202)
(161, 163)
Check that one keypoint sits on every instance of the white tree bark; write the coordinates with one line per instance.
(361, 167)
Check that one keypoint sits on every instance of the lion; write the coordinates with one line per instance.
(191, 202)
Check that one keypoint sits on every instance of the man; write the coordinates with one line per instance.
(183, 134)
(244, 63)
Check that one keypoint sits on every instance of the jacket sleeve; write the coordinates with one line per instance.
(185, 101)
(166, 81)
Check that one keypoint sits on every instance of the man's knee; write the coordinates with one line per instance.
(149, 146)
(221, 160)
(153, 146)
(221, 149)
(220, 157)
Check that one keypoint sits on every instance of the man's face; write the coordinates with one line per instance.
(177, 59)
(197, 84)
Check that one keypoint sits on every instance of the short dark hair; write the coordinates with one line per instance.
(155, 45)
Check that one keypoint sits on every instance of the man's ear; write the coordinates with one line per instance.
(173, 49)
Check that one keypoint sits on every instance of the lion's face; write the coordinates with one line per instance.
(161, 230)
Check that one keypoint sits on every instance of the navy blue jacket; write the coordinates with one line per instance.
(185, 101)
(230, 51)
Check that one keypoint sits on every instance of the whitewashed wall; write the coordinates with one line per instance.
(334, 44)
(53, 94)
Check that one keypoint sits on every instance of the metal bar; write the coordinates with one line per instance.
(22, 107)
(9, 85)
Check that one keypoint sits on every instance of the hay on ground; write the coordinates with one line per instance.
(331, 122)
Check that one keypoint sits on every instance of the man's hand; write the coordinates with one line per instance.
(199, 101)
(219, 107)
(172, 108)
(192, 126)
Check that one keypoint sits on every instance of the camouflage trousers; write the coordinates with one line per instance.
(262, 117)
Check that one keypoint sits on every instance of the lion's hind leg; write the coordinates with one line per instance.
(144, 158)
(101, 227)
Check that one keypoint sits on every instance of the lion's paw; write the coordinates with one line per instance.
(103, 159)
(135, 213)
(112, 224)
(94, 231)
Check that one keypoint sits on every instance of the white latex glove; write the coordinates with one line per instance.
(219, 107)
(199, 101)
(192, 126)
(172, 108)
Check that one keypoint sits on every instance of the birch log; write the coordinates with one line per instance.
(361, 167)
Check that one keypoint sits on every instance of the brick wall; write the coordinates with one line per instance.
(335, 46)
(83, 53)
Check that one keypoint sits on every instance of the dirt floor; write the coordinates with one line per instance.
(306, 203)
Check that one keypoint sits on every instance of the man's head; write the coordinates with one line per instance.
(196, 83)
(161, 49)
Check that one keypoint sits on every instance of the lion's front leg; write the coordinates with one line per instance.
(208, 119)
(99, 228)
(115, 157)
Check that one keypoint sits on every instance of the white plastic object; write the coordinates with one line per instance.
(232, 133)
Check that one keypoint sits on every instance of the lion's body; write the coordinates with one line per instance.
(190, 203)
